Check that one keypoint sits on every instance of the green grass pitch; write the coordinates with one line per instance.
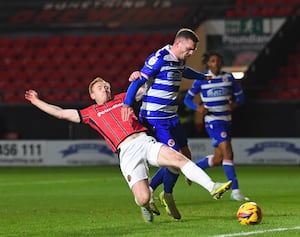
(95, 201)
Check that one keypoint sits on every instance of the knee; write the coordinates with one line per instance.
(142, 199)
(217, 160)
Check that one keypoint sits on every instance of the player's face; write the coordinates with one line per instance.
(186, 48)
(214, 63)
(101, 92)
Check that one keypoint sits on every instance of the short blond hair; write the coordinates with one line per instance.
(98, 79)
(187, 34)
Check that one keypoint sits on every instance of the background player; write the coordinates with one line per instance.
(220, 95)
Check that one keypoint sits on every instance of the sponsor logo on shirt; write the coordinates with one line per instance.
(99, 114)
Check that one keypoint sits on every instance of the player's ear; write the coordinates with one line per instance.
(92, 96)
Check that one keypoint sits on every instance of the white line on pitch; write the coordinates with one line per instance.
(258, 232)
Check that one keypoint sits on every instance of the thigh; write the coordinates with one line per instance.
(218, 131)
(164, 132)
(225, 149)
(169, 132)
(179, 134)
(135, 157)
(133, 163)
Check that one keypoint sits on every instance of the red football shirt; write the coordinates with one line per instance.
(106, 119)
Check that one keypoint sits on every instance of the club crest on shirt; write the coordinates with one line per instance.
(225, 79)
(152, 60)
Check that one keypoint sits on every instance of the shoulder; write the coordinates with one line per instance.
(197, 84)
(87, 110)
(120, 96)
(154, 60)
(229, 75)
(158, 56)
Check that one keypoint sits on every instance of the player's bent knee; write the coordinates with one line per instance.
(142, 199)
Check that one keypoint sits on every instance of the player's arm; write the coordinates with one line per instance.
(236, 101)
(190, 73)
(238, 95)
(134, 76)
(190, 103)
(134, 91)
(138, 80)
(190, 96)
(56, 111)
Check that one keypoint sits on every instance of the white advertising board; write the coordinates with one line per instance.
(55, 153)
(275, 151)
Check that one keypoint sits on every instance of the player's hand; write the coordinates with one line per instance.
(232, 105)
(135, 75)
(201, 109)
(31, 95)
(126, 111)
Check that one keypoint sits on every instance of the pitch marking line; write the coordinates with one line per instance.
(258, 232)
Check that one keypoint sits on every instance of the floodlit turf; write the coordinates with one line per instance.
(95, 201)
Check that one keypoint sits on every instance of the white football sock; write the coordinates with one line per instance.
(197, 175)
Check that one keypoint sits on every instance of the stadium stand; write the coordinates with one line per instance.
(57, 49)
(61, 63)
(275, 72)
(53, 62)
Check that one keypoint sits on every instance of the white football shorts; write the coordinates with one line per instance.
(135, 156)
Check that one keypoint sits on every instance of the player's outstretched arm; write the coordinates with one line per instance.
(56, 111)
(190, 73)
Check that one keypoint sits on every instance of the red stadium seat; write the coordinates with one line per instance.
(89, 40)
(20, 42)
(37, 42)
(104, 40)
(13, 97)
(70, 40)
(54, 41)
(123, 39)
(6, 42)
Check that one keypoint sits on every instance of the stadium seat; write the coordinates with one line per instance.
(89, 40)
(37, 42)
(6, 42)
(13, 97)
(54, 41)
(104, 40)
(122, 39)
(70, 41)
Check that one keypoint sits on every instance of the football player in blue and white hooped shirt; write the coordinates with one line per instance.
(220, 95)
(161, 75)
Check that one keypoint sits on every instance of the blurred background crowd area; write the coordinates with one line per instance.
(58, 47)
